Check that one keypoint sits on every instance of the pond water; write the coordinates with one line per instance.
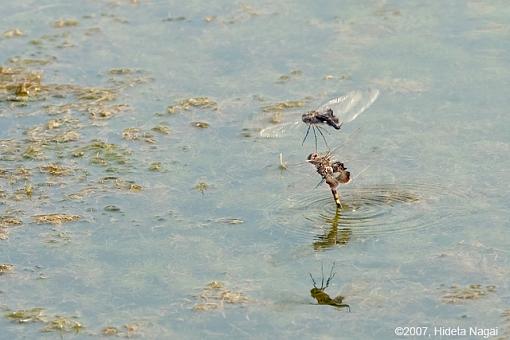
(137, 197)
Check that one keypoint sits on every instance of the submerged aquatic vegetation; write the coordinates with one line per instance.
(58, 237)
(6, 222)
(160, 128)
(57, 324)
(112, 208)
(121, 71)
(214, 295)
(69, 136)
(138, 134)
(65, 23)
(55, 170)
(23, 193)
(95, 94)
(201, 125)
(456, 294)
(193, 103)
(13, 33)
(102, 153)
(282, 106)
(55, 218)
(63, 324)
(127, 77)
(286, 77)
(155, 166)
(121, 184)
(33, 151)
(105, 111)
(127, 330)
(109, 331)
(18, 84)
(26, 315)
(201, 186)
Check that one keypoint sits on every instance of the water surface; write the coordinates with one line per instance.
(165, 208)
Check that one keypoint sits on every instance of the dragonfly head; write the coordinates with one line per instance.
(309, 117)
(312, 157)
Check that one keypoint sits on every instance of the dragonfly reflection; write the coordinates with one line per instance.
(334, 113)
(334, 236)
(320, 294)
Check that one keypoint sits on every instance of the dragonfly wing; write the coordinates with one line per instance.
(279, 130)
(350, 106)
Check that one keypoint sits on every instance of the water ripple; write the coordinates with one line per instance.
(366, 211)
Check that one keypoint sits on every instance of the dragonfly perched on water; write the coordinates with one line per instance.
(332, 172)
(334, 112)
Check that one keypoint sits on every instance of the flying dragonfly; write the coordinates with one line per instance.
(334, 112)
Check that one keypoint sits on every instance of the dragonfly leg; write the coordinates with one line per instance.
(324, 138)
(322, 181)
(343, 305)
(315, 136)
(306, 135)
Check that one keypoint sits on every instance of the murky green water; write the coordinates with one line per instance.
(168, 230)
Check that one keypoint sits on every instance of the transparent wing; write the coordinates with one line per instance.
(279, 130)
(350, 106)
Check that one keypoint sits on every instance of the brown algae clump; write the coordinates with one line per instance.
(6, 268)
(214, 295)
(456, 294)
(65, 23)
(55, 218)
(192, 103)
(282, 106)
(110, 331)
(8, 221)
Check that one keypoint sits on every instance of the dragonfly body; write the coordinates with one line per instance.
(328, 117)
(332, 172)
